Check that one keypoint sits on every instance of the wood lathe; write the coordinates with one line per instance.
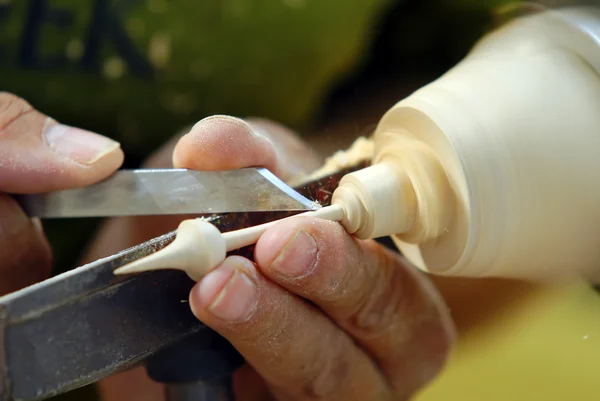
(490, 171)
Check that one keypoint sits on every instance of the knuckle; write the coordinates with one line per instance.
(12, 108)
(329, 371)
(415, 375)
(8, 99)
(387, 296)
(331, 276)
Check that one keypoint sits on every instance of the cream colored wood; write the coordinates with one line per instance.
(494, 169)
(399, 194)
(516, 127)
(199, 246)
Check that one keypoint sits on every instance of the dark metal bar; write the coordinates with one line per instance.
(219, 390)
(200, 367)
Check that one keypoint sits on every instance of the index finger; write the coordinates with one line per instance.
(227, 143)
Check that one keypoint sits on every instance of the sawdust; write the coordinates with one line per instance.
(361, 149)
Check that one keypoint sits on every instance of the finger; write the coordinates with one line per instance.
(388, 307)
(297, 157)
(224, 142)
(26, 257)
(37, 154)
(300, 353)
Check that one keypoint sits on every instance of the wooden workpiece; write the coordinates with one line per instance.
(199, 246)
(516, 128)
(492, 170)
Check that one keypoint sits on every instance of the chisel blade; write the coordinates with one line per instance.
(149, 192)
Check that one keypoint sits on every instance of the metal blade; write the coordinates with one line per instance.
(170, 191)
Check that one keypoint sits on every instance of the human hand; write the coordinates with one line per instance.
(320, 315)
(38, 155)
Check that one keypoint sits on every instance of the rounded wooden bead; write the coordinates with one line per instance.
(198, 248)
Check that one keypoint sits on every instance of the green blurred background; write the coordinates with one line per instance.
(139, 71)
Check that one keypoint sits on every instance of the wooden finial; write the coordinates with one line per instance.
(199, 246)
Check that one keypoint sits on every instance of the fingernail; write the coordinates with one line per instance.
(208, 122)
(37, 224)
(229, 292)
(297, 257)
(259, 132)
(81, 146)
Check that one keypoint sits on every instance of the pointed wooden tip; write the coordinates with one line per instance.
(155, 261)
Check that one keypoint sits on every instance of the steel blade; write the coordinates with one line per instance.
(170, 191)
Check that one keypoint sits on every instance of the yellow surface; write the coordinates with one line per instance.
(518, 342)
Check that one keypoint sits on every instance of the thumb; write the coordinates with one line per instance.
(37, 154)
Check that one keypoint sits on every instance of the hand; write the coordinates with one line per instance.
(38, 155)
(321, 315)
